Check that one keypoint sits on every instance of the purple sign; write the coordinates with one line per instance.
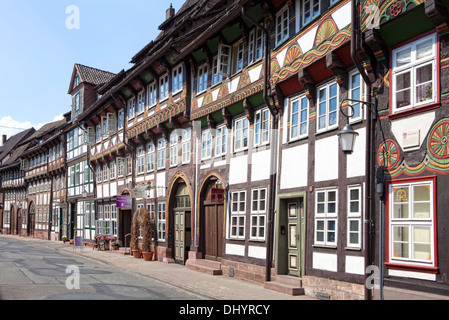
(123, 202)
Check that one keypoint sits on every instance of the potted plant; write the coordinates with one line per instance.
(115, 245)
(65, 239)
(148, 229)
(134, 244)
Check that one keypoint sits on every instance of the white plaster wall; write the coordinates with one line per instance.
(342, 16)
(326, 158)
(421, 122)
(294, 167)
(238, 171)
(235, 249)
(260, 165)
(325, 261)
(355, 265)
(257, 252)
(356, 160)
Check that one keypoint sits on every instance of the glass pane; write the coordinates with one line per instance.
(331, 196)
(320, 225)
(421, 193)
(354, 207)
(400, 234)
(320, 197)
(424, 74)
(403, 57)
(421, 210)
(400, 211)
(424, 49)
(403, 81)
(421, 234)
(354, 238)
(353, 225)
(400, 250)
(320, 208)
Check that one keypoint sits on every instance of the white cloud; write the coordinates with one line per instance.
(11, 127)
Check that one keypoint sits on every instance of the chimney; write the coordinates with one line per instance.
(3, 139)
(170, 12)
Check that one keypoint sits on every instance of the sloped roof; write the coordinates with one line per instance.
(14, 141)
(46, 128)
(90, 75)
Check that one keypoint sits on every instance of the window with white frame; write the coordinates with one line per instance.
(131, 108)
(216, 75)
(326, 217)
(206, 144)
(161, 145)
(238, 215)
(121, 119)
(129, 165)
(150, 156)
(282, 21)
(152, 94)
(140, 102)
(106, 212)
(120, 167)
(163, 87)
(161, 221)
(105, 173)
(241, 132)
(223, 61)
(310, 10)
(354, 216)
(255, 45)
(173, 149)
(140, 160)
(411, 223)
(99, 175)
(258, 213)
(177, 79)
(327, 106)
(77, 100)
(202, 78)
(299, 118)
(112, 168)
(355, 93)
(97, 133)
(414, 74)
(261, 127)
(186, 145)
(238, 59)
(150, 208)
(221, 141)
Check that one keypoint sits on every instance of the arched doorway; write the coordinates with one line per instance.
(19, 221)
(180, 204)
(31, 219)
(212, 217)
(13, 220)
(124, 217)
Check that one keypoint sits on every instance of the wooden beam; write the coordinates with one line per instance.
(307, 82)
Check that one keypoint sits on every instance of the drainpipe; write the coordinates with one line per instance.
(273, 148)
(355, 27)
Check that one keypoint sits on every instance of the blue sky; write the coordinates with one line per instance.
(38, 51)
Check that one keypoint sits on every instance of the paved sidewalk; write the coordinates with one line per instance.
(212, 287)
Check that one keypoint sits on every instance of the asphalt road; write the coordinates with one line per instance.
(32, 272)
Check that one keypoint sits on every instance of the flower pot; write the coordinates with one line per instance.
(115, 247)
(147, 256)
(137, 253)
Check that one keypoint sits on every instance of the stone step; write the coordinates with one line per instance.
(205, 266)
(286, 284)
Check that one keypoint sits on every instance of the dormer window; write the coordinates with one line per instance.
(77, 101)
(76, 81)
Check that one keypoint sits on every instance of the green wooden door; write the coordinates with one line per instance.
(295, 236)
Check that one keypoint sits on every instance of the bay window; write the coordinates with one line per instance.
(414, 74)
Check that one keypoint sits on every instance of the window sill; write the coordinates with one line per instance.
(324, 246)
(414, 110)
(408, 267)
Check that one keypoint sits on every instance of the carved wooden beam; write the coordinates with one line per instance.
(227, 117)
(211, 123)
(374, 40)
(338, 68)
(436, 11)
(307, 82)
(249, 110)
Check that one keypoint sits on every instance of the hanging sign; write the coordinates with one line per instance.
(123, 202)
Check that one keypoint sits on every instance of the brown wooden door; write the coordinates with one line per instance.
(214, 215)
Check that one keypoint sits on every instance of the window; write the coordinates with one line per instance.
(206, 145)
(163, 87)
(241, 134)
(221, 141)
(223, 61)
(238, 213)
(173, 149)
(310, 10)
(150, 208)
(282, 26)
(261, 127)
(112, 168)
(177, 79)
(258, 213)
(150, 156)
(186, 145)
(216, 75)
(202, 78)
(354, 214)
(120, 167)
(326, 217)
(129, 165)
(327, 106)
(140, 160)
(255, 51)
(299, 118)
(161, 221)
(140, 102)
(99, 175)
(152, 94)
(131, 108)
(411, 223)
(121, 118)
(238, 50)
(161, 153)
(355, 93)
(77, 101)
(414, 74)
(106, 212)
